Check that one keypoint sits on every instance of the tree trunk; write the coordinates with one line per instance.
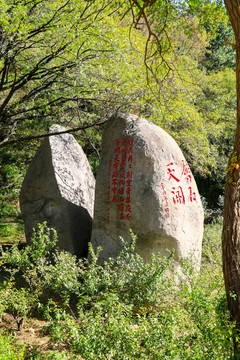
(231, 223)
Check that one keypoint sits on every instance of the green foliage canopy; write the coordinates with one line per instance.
(78, 63)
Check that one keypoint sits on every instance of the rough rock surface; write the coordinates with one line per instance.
(144, 184)
(59, 188)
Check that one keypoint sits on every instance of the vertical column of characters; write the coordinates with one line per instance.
(186, 174)
(108, 190)
(115, 171)
(121, 183)
(166, 207)
(129, 179)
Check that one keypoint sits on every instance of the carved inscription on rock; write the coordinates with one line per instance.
(120, 179)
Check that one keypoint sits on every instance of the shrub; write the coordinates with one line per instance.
(131, 310)
(9, 350)
(125, 309)
(23, 271)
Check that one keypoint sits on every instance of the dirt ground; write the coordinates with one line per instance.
(32, 335)
(32, 332)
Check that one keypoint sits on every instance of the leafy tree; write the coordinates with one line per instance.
(231, 228)
(44, 45)
(106, 71)
(219, 54)
(58, 63)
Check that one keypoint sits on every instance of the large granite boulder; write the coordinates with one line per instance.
(144, 183)
(59, 188)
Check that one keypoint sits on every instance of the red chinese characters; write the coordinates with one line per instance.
(181, 190)
(108, 190)
(166, 207)
(120, 178)
(171, 171)
(178, 195)
(186, 173)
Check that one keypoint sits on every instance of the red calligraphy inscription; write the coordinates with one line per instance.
(186, 173)
(166, 206)
(120, 178)
(192, 195)
(108, 191)
(170, 171)
(181, 195)
(129, 181)
(178, 195)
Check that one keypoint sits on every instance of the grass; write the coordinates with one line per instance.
(11, 223)
(11, 232)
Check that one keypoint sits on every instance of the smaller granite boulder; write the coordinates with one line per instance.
(59, 188)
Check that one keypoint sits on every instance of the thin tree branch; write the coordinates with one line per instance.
(44, 26)
(36, 137)
(228, 43)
